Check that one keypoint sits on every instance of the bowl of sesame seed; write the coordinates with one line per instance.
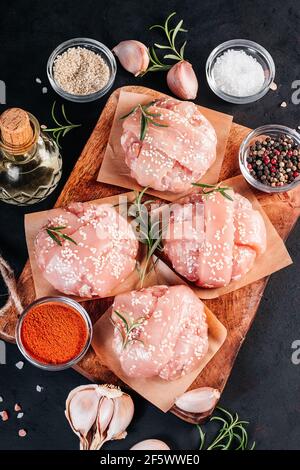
(81, 70)
(269, 158)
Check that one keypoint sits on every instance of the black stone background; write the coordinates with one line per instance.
(264, 386)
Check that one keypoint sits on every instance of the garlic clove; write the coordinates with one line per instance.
(182, 80)
(105, 414)
(81, 412)
(133, 55)
(150, 444)
(199, 400)
(123, 414)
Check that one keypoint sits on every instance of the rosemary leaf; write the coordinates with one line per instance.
(202, 437)
(144, 126)
(181, 52)
(53, 115)
(123, 320)
(66, 237)
(171, 56)
(130, 112)
(226, 195)
(202, 185)
(158, 124)
(53, 236)
(176, 30)
(162, 46)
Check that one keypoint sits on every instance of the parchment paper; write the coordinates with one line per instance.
(273, 259)
(156, 390)
(114, 169)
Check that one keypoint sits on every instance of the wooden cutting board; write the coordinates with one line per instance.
(235, 310)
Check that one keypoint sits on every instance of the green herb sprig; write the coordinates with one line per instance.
(146, 118)
(231, 436)
(214, 188)
(171, 35)
(57, 235)
(150, 234)
(128, 329)
(62, 129)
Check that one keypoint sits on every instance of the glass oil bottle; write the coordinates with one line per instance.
(30, 161)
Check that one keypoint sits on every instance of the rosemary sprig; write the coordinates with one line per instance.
(56, 234)
(128, 329)
(171, 34)
(231, 436)
(150, 233)
(146, 118)
(212, 188)
(62, 129)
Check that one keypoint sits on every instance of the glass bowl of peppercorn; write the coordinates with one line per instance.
(269, 158)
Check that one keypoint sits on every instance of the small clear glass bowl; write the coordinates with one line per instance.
(251, 48)
(60, 300)
(272, 130)
(94, 46)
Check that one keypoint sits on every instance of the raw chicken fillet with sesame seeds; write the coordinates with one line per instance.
(169, 158)
(104, 254)
(212, 240)
(171, 336)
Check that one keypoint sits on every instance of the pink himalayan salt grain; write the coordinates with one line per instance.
(17, 407)
(4, 415)
(22, 432)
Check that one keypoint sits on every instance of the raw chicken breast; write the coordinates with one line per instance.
(169, 158)
(168, 336)
(104, 254)
(230, 234)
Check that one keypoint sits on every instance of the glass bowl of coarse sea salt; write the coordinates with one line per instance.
(240, 71)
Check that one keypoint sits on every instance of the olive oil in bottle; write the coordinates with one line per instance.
(30, 161)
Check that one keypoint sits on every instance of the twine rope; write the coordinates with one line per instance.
(10, 282)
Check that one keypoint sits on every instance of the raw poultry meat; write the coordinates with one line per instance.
(103, 255)
(212, 240)
(167, 331)
(169, 158)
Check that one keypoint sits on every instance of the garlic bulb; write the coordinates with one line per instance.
(98, 413)
(133, 56)
(150, 444)
(199, 400)
(182, 80)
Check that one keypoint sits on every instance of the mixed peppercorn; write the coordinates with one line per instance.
(274, 161)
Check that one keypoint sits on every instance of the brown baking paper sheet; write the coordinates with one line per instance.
(36, 220)
(273, 259)
(159, 392)
(114, 169)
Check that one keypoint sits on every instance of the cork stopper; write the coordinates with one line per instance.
(15, 128)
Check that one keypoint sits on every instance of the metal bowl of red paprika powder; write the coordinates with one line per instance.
(54, 333)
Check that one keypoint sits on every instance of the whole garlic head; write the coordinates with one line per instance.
(98, 413)
(133, 56)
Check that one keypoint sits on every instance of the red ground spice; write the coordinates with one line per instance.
(53, 333)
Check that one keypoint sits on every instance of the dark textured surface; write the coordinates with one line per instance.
(265, 385)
